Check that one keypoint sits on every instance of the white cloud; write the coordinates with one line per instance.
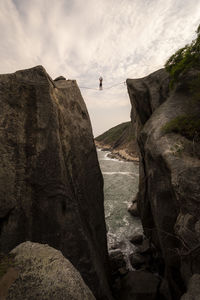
(86, 39)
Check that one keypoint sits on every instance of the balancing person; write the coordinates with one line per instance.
(101, 83)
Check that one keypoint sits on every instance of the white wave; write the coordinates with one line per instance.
(125, 220)
(127, 203)
(112, 239)
(113, 159)
(106, 157)
(122, 173)
(109, 207)
(103, 159)
(108, 214)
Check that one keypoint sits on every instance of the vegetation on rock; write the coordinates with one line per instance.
(194, 87)
(184, 59)
(188, 126)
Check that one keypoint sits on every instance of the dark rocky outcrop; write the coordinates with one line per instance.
(41, 272)
(137, 239)
(193, 292)
(117, 262)
(133, 208)
(51, 187)
(138, 285)
(169, 190)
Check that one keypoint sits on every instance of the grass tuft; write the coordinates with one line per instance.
(184, 59)
(187, 126)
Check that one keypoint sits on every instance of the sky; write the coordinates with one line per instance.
(86, 39)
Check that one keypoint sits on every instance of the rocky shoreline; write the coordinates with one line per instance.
(120, 154)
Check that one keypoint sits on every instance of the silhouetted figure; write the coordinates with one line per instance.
(101, 83)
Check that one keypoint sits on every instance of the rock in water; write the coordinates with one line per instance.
(51, 187)
(43, 273)
(168, 199)
(137, 239)
(133, 209)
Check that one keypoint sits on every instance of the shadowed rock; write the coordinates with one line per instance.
(133, 209)
(42, 272)
(168, 199)
(139, 285)
(51, 187)
(193, 292)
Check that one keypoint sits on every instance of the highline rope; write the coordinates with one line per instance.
(106, 88)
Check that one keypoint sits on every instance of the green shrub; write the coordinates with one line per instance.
(184, 59)
(188, 126)
(195, 89)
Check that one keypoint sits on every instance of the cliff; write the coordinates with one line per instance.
(169, 191)
(120, 140)
(51, 187)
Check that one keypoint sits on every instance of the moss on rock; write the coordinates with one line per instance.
(188, 126)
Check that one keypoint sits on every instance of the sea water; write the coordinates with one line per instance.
(120, 187)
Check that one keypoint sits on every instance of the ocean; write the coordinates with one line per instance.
(120, 187)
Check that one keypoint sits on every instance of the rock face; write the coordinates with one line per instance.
(169, 190)
(43, 273)
(193, 292)
(51, 187)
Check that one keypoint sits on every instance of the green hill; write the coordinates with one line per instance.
(117, 135)
(120, 140)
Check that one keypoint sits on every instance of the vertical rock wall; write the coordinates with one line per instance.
(169, 190)
(51, 187)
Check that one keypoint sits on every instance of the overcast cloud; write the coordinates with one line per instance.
(82, 40)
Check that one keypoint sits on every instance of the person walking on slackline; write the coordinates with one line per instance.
(100, 83)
